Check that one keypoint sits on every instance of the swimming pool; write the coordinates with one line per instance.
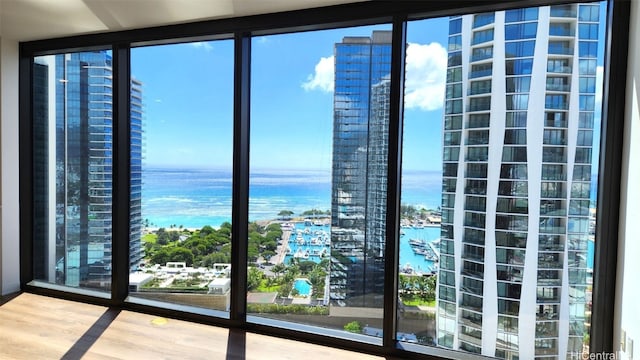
(303, 286)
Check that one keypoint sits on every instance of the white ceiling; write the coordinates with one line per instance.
(25, 20)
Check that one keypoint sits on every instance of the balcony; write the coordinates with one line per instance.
(563, 11)
(481, 73)
(559, 87)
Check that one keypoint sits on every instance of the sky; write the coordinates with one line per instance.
(188, 102)
(188, 99)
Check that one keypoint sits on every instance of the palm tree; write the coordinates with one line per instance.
(254, 278)
(278, 269)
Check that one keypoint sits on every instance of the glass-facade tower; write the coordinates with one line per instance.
(73, 240)
(359, 170)
(518, 133)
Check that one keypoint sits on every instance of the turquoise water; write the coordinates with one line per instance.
(316, 252)
(194, 198)
(308, 243)
(408, 257)
(303, 286)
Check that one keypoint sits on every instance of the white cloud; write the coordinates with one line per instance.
(426, 70)
(322, 79)
(425, 78)
(202, 45)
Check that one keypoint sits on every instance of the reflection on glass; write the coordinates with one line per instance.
(72, 107)
(318, 179)
(513, 221)
(181, 156)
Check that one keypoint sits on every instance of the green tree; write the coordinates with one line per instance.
(181, 254)
(285, 214)
(306, 266)
(254, 278)
(206, 230)
(163, 237)
(278, 269)
(353, 327)
(427, 287)
(213, 258)
(408, 211)
(403, 283)
(285, 289)
(317, 277)
(174, 236)
(161, 257)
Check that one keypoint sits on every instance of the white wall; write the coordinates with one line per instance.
(9, 180)
(627, 316)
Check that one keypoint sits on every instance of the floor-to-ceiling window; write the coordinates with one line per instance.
(317, 197)
(510, 235)
(501, 118)
(72, 107)
(181, 169)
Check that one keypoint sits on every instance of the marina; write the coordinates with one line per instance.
(419, 246)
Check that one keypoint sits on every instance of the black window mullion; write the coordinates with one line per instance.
(26, 170)
(121, 175)
(394, 172)
(240, 204)
(609, 175)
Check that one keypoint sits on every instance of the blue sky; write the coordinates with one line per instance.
(188, 99)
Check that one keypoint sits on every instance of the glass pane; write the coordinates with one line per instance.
(181, 161)
(72, 109)
(318, 178)
(510, 222)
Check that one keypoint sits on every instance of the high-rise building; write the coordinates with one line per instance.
(74, 239)
(136, 252)
(359, 171)
(518, 130)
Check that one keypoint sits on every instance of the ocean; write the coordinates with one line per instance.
(194, 198)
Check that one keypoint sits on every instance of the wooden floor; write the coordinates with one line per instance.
(38, 327)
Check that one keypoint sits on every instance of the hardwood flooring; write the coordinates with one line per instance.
(39, 327)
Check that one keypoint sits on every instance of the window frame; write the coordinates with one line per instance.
(242, 29)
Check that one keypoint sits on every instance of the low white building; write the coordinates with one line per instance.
(138, 279)
(220, 286)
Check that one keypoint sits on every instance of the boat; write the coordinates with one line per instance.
(406, 269)
(420, 251)
(417, 242)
